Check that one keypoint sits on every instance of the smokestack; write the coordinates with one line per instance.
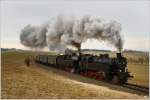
(119, 55)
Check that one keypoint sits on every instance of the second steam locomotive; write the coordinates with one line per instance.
(100, 67)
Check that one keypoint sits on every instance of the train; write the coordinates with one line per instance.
(101, 67)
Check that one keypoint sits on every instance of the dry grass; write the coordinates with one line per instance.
(36, 81)
(140, 73)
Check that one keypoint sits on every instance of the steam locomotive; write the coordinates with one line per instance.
(100, 67)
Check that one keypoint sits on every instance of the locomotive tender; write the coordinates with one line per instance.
(100, 67)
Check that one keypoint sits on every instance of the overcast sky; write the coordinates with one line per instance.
(132, 14)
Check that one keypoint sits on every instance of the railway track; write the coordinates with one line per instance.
(137, 87)
(130, 86)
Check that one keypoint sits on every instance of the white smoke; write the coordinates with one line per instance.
(63, 32)
(34, 36)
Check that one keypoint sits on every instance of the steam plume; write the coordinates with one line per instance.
(33, 36)
(63, 32)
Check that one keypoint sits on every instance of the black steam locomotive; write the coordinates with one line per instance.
(100, 67)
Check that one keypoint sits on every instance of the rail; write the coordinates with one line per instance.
(137, 87)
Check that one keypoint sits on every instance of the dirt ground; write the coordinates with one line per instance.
(41, 82)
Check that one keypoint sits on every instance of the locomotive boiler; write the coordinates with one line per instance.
(100, 67)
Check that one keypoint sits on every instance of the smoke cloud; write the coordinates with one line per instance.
(63, 32)
(34, 36)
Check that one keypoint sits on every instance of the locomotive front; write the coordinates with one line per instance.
(119, 69)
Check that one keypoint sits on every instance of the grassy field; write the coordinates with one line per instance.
(37, 81)
(140, 73)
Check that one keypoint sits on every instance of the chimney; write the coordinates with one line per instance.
(119, 55)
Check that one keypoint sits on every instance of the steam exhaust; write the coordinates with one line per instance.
(63, 32)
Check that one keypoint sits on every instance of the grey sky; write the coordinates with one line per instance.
(133, 15)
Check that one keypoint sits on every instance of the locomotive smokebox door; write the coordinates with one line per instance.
(119, 55)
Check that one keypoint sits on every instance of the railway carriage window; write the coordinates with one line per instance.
(90, 59)
(96, 59)
(65, 57)
(106, 56)
(101, 55)
(83, 59)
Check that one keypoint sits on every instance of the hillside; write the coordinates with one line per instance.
(38, 81)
